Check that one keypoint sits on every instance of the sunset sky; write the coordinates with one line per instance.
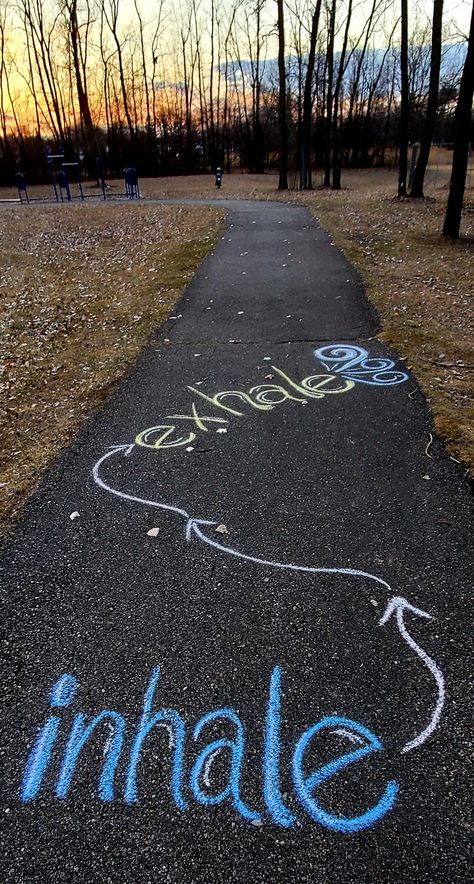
(168, 70)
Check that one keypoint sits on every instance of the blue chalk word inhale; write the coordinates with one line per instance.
(191, 777)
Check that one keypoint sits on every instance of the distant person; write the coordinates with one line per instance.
(218, 177)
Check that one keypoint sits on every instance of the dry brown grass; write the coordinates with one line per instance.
(81, 289)
(83, 286)
(422, 286)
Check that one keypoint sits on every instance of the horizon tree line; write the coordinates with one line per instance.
(307, 86)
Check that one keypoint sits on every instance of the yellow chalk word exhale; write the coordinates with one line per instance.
(262, 397)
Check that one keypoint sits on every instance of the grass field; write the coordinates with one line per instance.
(82, 287)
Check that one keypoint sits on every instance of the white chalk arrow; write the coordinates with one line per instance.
(398, 605)
(193, 528)
(127, 450)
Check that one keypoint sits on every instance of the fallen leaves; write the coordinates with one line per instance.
(77, 303)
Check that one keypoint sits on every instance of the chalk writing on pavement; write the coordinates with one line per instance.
(345, 367)
(194, 787)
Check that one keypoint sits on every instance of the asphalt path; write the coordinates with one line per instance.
(273, 685)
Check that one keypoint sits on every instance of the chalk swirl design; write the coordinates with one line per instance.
(353, 363)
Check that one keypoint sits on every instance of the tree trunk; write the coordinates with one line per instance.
(111, 13)
(81, 89)
(358, 69)
(210, 103)
(258, 139)
(404, 110)
(282, 118)
(336, 153)
(462, 126)
(308, 100)
(329, 96)
(144, 68)
(432, 106)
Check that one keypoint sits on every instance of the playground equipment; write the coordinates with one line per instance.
(100, 176)
(20, 181)
(65, 175)
(132, 189)
(60, 177)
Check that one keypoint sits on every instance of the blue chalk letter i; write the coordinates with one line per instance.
(62, 695)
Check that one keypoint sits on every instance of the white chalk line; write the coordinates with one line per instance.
(401, 605)
(307, 569)
(396, 603)
(127, 450)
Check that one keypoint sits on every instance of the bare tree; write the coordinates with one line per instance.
(358, 56)
(79, 54)
(404, 103)
(308, 100)
(42, 32)
(106, 55)
(189, 58)
(282, 111)
(4, 138)
(110, 10)
(462, 126)
(253, 49)
(144, 67)
(329, 91)
(203, 110)
(227, 88)
(432, 106)
(336, 157)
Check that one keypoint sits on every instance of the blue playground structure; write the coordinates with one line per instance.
(60, 177)
(20, 182)
(66, 181)
(132, 189)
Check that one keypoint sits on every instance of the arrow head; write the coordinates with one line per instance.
(127, 449)
(192, 526)
(398, 605)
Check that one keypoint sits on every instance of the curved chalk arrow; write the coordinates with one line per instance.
(399, 605)
(192, 527)
(396, 603)
(127, 450)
